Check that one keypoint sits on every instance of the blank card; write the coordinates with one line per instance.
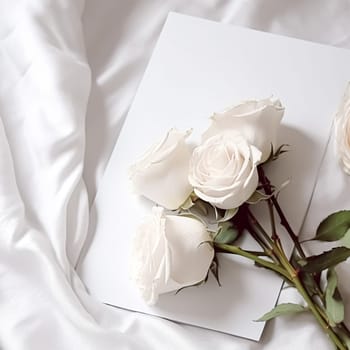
(199, 67)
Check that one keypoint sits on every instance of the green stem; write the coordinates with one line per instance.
(268, 251)
(268, 190)
(278, 249)
(286, 225)
(265, 182)
(284, 222)
(262, 242)
(314, 308)
(257, 253)
(272, 218)
(251, 256)
(257, 224)
(289, 273)
(272, 248)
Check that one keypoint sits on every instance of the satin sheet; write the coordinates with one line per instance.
(68, 72)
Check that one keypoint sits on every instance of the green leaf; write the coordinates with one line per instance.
(214, 268)
(274, 155)
(258, 196)
(310, 282)
(227, 233)
(198, 284)
(334, 304)
(345, 241)
(334, 227)
(280, 150)
(318, 263)
(187, 204)
(229, 214)
(282, 309)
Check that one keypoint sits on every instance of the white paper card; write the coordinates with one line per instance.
(332, 193)
(199, 67)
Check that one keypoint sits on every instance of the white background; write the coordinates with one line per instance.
(68, 75)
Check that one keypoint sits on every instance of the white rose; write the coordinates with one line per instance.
(342, 131)
(169, 253)
(223, 170)
(257, 121)
(161, 175)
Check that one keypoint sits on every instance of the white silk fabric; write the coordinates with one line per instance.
(68, 73)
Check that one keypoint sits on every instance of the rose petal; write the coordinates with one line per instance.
(161, 175)
(256, 120)
(229, 185)
(169, 252)
(342, 131)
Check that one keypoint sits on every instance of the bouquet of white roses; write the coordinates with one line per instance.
(203, 199)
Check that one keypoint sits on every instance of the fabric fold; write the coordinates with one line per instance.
(44, 99)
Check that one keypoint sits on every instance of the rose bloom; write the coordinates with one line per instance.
(161, 175)
(169, 252)
(342, 131)
(223, 170)
(257, 120)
